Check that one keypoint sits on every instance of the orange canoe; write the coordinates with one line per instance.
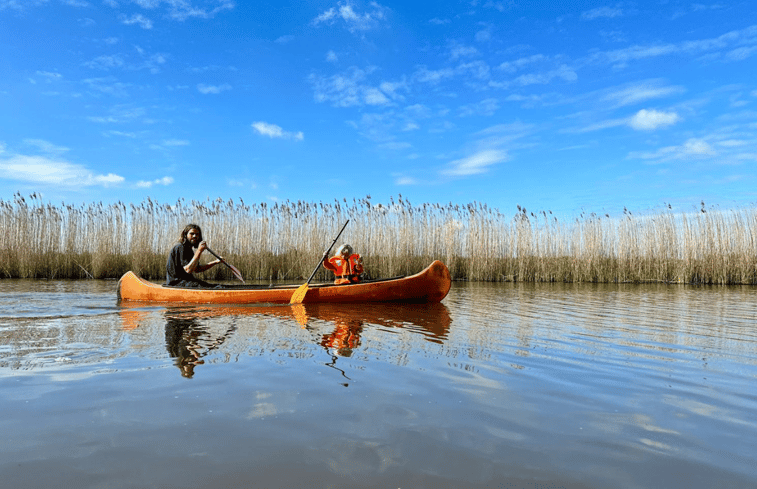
(429, 285)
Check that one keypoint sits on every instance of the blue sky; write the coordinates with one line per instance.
(562, 106)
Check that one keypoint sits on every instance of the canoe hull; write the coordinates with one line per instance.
(430, 285)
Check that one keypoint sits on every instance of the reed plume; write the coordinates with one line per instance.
(285, 240)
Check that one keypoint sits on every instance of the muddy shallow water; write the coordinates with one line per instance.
(501, 385)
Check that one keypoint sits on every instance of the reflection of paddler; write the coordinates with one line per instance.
(182, 344)
(344, 338)
(188, 342)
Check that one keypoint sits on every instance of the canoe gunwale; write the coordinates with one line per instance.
(241, 287)
(429, 285)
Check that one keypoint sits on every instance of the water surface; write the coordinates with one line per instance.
(501, 385)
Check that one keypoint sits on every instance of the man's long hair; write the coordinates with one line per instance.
(187, 228)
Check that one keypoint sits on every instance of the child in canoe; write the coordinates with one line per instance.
(346, 265)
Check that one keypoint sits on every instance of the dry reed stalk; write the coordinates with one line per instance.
(284, 241)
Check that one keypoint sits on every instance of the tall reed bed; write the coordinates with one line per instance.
(284, 241)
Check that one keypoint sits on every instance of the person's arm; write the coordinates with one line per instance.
(328, 265)
(194, 264)
(359, 266)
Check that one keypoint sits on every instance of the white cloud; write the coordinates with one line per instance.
(563, 71)
(46, 170)
(513, 66)
(597, 126)
(50, 76)
(647, 120)
(696, 147)
(139, 20)
(353, 21)
(184, 9)
(19, 4)
(274, 131)
(476, 164)
(351, 89)
(374, 96)
(692, 148)
(331, 57)
(175, 142)
(170, 143)
(405, 181)
(483, 36)
(486, 107)
(213, 89)
(160, 181)
(423, 74)
(711, 46)
(105, 62)
(602, 12)
(458, 51)
(640, 93)
(396, 145)
(45, 147)
(741, 53)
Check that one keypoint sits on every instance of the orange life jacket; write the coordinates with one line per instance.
(346, 271)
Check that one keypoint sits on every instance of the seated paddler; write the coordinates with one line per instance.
(346, 265)
(184, 260)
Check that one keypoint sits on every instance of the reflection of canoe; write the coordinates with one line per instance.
(430, 320)
(430, 285)
(192, 331)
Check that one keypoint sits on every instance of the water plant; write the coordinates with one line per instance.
(280, 241)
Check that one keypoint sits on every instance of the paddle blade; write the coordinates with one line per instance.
(299, 294)
(236, 273)
(300, 314)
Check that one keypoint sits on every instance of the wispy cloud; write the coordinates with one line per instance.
(184, 9)
(602, 12)
(457, 51)
(486, 107)
(19, 4)
(53, 171)
(731, 46)
(647, 120)
(165, 181)
(691, 148)
(212, 89)
(105, 62)
(120, 114)
(351, 89)
(641, 92)
(75, 3)
(139, 59)
(170, 143)
(274, 131)
(353, 21)
(476, 163)
(49, 76)
(137, 19)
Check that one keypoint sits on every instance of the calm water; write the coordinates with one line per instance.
(501, 386)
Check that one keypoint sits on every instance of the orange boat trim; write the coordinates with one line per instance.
(430, 285)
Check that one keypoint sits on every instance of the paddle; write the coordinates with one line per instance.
(299, 294)
(231, 267)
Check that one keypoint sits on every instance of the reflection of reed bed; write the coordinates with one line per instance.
(283, 241)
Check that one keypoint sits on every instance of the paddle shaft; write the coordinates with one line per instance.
(233, 270)
(327, 253)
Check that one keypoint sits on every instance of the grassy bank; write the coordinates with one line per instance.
(284, 241)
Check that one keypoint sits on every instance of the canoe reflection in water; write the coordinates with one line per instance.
(194, 331)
